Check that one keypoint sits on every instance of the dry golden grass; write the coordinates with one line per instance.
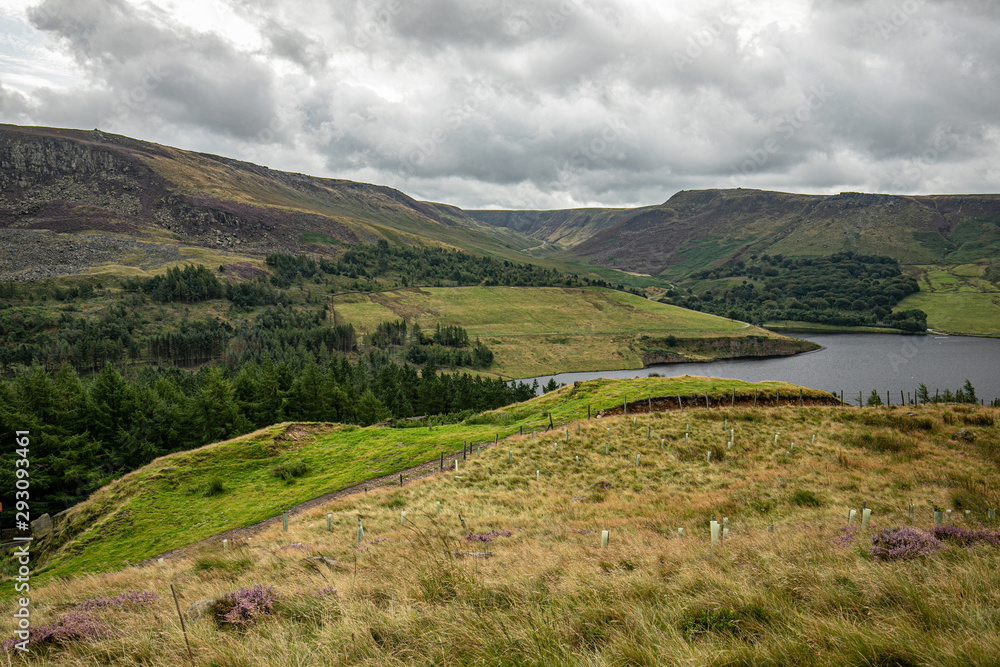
(550, 595)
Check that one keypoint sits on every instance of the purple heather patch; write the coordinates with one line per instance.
(244, 270)
(846, 537)
(74, 626)
(80, 624)
(903, 544)
(486, 538)
(965, 537)
(130, 597)
(242, 608)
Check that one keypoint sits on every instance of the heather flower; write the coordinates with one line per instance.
(903, 544)
(128, 598)
(242, 608)
(965, 537)
(486, 538)
(847, 536)
(74, 626)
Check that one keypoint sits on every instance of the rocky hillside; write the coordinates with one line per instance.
(67, 181)
(697, 228)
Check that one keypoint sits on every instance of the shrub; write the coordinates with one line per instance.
(903, 544)
(289, 471)
(215, 487)
(74, 626)
(965, 537)
(128, 598)
(804, 498)
(977, 419)
(242, 608)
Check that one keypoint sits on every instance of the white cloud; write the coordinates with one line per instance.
(532, 103)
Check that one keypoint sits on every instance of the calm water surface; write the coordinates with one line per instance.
(853, 363)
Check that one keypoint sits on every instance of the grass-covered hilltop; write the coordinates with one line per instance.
(499, 559)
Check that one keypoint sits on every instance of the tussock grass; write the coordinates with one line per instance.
(550, 595)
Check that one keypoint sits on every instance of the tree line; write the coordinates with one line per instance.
(447, 346)
(87, 431)
(843, 289)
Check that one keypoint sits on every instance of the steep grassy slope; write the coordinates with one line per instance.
(555, 229)
(74, 180)
(810, 593)
(541, 330)
(697, 228)
(188, 496)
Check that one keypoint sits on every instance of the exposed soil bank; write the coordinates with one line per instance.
(715, 349)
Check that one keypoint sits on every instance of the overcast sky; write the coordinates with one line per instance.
(532, 103)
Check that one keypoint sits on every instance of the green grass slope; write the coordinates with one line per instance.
(963, 299)
(540, 330)
(542, 591)
(188, 496)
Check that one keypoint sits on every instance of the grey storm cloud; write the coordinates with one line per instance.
(139, 58)
(551, 103)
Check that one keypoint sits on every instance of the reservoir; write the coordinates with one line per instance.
(853, 363)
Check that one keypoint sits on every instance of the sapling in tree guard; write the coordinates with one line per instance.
(329, 523)
(850, 516)
(714, 526)
(605, 538)
(866, 518)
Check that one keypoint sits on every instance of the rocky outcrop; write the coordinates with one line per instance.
(713, 349)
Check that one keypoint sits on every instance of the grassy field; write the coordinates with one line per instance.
(810, 593)
(959, 312)
(957, 299)
(188, 496)
(540, 330)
